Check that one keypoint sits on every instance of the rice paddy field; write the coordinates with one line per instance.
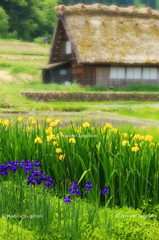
(77, 182)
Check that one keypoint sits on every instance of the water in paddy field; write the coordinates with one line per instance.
(92, 118)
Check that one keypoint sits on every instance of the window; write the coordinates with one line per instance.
(149, 73)
(146, 73)
(121, 73)
(137, 73)
(113, 72)
(153, 73)
(63, 72)
(130, 73)
(67, 83)
(117, 72)
(68, 47)
(134, 73)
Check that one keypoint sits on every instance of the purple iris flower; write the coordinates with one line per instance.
(36, 172)
(43, 177)
(31, 180)
(28, 166)
(8, 164)
(88, 185)
(37, 163)
(3, 169)
(74, 188)
(38, 181)
(105, 190)
(49, 182)
(12, 165)
(67, 199)
(35, 177)
(23, 163)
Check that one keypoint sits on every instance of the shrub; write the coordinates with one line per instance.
(4, 26)
(38, 40)
(138, 88)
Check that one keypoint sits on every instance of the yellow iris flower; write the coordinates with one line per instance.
(37, 139)
(134, 149)
(72, 140)
(58, 150)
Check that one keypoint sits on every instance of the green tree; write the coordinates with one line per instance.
(30, 18)
(157, 4)
(138, 4)
(4, 25)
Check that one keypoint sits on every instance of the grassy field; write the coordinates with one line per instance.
(19, 60)
(23, 48)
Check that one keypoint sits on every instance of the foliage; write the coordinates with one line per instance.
(138, 88)
(8, 230)
(116, 223)
(74, 87)
(98, 89)
(38, 40)
(126, 161)
(17, 68)
(120, 3)
(4, 26)
(10, 35)
(150, 208)
(30, 19)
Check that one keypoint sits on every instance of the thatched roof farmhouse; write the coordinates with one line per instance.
(104, 45)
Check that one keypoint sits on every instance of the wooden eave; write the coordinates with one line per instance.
(54, 65)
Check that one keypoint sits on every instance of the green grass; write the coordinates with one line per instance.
(128, 224)
(23, 48)
(14, 70)
(33, 64)
(132, 88)
(20, 58)
(76, 88)
(140, 112)
(24, 52)
(138, 88)
(10, 40)
(4, 65)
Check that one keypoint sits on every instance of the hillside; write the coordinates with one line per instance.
(19, 60)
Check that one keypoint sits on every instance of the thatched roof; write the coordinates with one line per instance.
(102, 33)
